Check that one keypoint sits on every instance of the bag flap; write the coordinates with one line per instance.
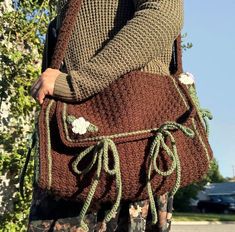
(130, 108)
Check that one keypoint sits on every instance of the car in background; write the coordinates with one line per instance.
(217, 204)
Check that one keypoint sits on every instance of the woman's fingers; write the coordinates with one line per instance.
(44, 85)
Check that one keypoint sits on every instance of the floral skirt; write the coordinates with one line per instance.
(52, 214)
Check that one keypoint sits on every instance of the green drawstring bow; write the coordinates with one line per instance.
(159, 141)
(101, 157)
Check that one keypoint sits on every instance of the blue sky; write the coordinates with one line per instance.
(210, 26)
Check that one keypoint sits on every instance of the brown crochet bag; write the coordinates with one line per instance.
(142, 136)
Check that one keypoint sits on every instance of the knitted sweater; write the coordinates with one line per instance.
(113, 37)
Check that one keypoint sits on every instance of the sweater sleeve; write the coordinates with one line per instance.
(153, 28)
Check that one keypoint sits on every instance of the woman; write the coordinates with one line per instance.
(110, 38)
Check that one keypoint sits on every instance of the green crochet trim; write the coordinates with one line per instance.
(180, 92)
(200, 138)
(204, 114)
(49, 158)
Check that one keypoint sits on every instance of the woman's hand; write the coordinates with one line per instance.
(44, 84)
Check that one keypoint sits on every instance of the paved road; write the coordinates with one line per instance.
(203, 228)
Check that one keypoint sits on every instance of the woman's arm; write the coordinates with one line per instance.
(154, 27)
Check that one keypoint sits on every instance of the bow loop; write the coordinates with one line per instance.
(79, 159)
(171, 126)
(108, 144)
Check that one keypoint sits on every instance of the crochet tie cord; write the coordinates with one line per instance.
(159, 141)
(100, 156)
(143, 135)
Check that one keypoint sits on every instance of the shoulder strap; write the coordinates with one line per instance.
(65, 33)
(176, 66)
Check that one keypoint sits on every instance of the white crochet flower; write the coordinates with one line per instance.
(186, 78)
(80, 125)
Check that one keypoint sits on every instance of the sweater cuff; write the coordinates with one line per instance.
(63, 88)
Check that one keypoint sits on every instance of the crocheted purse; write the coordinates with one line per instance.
(142, 136)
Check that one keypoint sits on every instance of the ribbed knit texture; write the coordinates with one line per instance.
(113, 37)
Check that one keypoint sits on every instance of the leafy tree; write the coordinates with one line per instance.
(214, 175)
(23, 25)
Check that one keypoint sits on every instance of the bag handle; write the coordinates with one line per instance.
(65, 33)
(66, 30)
(176, 66)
